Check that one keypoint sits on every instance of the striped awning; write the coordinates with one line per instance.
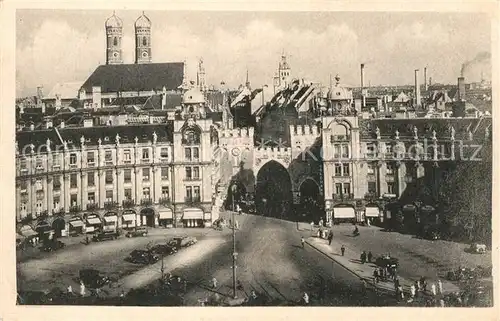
(166, 214)
(192, 214)
(93, 221)
(76, 223)
(372, 212)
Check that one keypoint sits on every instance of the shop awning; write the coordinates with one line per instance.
(166, 214)
(76, 223)
(372, 212)
(110, 219)
(27, 231)
(192, 214)
(344, 212)
(128, 217)
(93, 221)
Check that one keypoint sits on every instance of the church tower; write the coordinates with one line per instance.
(284, 72)
(114, 34)
(200, 75)
(142, 40)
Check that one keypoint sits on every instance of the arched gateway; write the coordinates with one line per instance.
(273, 191)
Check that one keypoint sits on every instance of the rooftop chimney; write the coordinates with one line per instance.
(425, 79)
(461, 88)
(417, 90)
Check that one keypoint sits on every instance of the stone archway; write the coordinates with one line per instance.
(310, 200)
(58, 225)
(273, 191)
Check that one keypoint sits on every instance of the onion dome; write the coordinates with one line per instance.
(143, 22)
(114, 22)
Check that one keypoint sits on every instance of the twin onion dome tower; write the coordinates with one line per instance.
(114, 35)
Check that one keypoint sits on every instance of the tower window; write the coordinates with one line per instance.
(144, 41)
(115, 41)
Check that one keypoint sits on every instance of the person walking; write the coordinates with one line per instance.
(342, 250)
(305, 298)
(370, 256)
(303, 242)
(82, 288)
(214, 283)
(440, 287)
(363, 257)
(330, 238)
(413, 291)
(433, 289)
(312, 226)
(375, 275)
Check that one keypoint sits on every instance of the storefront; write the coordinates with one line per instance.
(129, 218)
(110, 221)
(192, 217)
(76, 226)
(344, 214)
(148, 217)
(93, 223)
(372, 213)
(166, 217)
(59, 226)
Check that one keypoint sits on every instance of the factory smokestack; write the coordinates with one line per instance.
(461, 88)
(417, 90)
(425, 79)
(362, 76)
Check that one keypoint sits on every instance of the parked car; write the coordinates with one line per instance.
(93, 278)
(52, 245)
(164, 249)
(477, 248)
(105, 235)
(387, 261)
(143, 257)
(138, 231)
(430, 233)
(185, 241)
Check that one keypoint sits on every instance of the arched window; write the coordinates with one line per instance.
(144, 41)
(115, 41)
(191, 136)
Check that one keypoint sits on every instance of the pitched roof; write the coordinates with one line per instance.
(136, 77)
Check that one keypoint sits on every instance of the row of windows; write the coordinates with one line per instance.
(345, 188)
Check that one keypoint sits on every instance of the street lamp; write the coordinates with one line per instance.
(233, 192)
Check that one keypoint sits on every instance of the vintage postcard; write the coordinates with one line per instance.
(166, 156)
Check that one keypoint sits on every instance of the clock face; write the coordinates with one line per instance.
(115, 54)
(144, 54)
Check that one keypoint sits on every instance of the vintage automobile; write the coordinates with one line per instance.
(105, 236)
(164, 249)
(387, 261)
(185, 241)
(430, 233)
(52, 245)
(143, 257)
(477, 248)
(138, 231)
(93, 278)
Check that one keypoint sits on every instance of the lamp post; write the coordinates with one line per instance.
(233, 192)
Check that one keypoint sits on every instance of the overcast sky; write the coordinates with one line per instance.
(55, 46)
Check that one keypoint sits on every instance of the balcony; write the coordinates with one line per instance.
(145, 161)
(127, 161)
(146, 202)
(192, 201)
(128, 203)
(72, 166)
(92, 206)
(164, 159)
(91, 164)
(370, 196)
(110, 205)
(108, 163)
(164, 200)
(343, 197)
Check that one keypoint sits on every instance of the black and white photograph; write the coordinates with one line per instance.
(201, 158)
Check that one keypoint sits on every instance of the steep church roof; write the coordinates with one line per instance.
(136, 77)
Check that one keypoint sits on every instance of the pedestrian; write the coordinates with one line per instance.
(433, 289)
(303, 242)
(441, 303)
(413, 290)
(370, 256)
(363, 257)
(330, 238)
(312, 226)
(320, 223)
(214, 283)
(305, 298)
(440, 287)
(401, 292)
(70, 289)
(342, 249)
(236, 225)
(375, 275)
(381, 274)
(82, 288)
